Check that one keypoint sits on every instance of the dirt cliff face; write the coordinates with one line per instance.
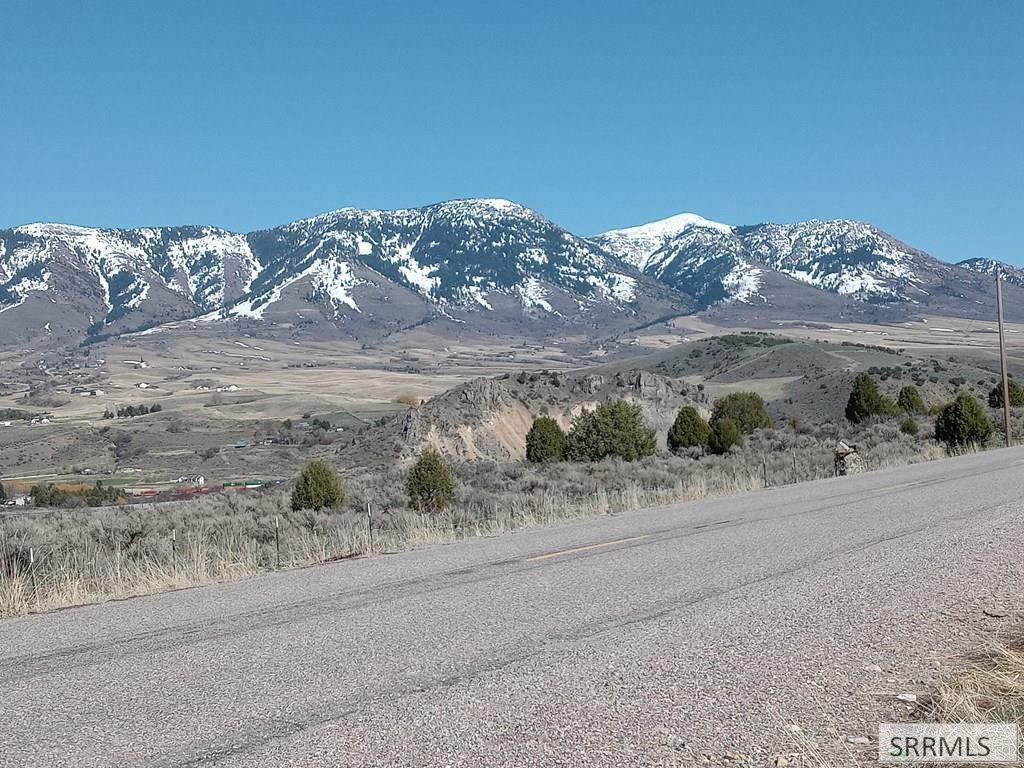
(489, 418)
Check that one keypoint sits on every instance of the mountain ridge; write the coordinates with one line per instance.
(474, 261)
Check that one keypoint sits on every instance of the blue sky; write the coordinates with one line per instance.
(598, 114)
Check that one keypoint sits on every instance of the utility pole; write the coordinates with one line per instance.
(1002, 359)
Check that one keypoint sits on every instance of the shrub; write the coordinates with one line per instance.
(995, 397)
(910, 401)
(614, 428)
(689, 430)
(908, 426)
(963, 422)
(746, 409)
(49, 495)
(409, 399)
(866, 401)
(725, 433)
(318, 487)
(545, 441)
(430, 484)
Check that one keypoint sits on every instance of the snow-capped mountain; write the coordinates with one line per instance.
(478, 261)
(463, 254)
(64, 273)
(990, 267)
(636, 245)
(488, 265)
(715, 262)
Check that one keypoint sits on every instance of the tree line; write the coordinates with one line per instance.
(130, 411)
(616, 429)
(960, 423)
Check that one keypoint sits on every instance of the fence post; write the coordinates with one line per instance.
(795, 476)
(277, 539)
(369, 527)
(32, 573)
(764, 459)
(174, 552)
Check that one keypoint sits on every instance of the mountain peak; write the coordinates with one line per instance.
(670, 226)
(637, 245)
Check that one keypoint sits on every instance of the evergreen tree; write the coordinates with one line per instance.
(963, 422)
(866, 401)
(3, 493)
(725, 433)
(430, 484)
(995, 397)
(614, 428)
(689, 430)
(910, 401)
(746, 409)
(545, 441)
(318, 487)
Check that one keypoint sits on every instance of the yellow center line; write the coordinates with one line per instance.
(587, 548)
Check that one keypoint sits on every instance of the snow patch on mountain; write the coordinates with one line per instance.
(533, 294)
(743, 283)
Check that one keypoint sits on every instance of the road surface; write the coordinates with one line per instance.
(702, 631)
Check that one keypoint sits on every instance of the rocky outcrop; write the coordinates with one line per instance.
(489, 418)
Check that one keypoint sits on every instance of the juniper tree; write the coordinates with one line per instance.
(430, 484)
(746, 409)
(318, 487)
(689, 430)
(545, 442)
(615, 428)
(963, 422)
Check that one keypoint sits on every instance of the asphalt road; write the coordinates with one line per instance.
(661, 637)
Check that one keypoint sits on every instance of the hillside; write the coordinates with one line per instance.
(488, 418)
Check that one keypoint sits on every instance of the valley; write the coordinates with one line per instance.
(224, 397)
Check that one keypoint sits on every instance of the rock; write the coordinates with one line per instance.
(780, 762)
(872, 668)
(847, 460)
(907, 697)
(858, 739)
